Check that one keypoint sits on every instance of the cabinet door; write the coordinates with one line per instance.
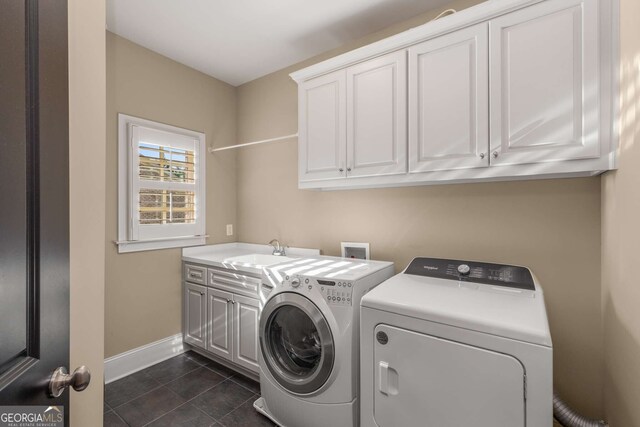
(195, 314)
(377, 116)
(246, 316)
(544, 83)
(448, 101)
(220, 320)
(321, 122)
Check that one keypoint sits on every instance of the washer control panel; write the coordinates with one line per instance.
(334, 292)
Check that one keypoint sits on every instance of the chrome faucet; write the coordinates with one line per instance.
(278, 249)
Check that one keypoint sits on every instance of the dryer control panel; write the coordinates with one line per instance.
(471, 271)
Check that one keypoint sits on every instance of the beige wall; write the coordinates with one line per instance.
(143, 299)
(87, 98)
(551, 226)
(621, 241)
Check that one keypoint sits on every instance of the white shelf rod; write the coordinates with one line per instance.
(230, 147)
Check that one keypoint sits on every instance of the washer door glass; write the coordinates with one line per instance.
(297, 343)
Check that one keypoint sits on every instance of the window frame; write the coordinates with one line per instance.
(132, 236)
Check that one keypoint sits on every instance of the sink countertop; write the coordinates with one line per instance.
(219, 255)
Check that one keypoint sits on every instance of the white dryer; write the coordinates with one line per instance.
(309, 325)
(451, 343)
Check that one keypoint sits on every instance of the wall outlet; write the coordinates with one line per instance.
(229, 229)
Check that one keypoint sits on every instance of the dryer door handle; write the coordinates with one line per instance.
(387, 379)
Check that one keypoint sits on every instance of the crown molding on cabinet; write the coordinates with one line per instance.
(465, 18)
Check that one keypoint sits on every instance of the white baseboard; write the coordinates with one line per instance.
(131, 361)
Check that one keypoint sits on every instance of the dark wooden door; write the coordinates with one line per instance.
(34, 200)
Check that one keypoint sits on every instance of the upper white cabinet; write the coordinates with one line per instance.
(322, 118)
(449, 101)
(353, 121)
(544, 83)
(376, 116)
(507, 89)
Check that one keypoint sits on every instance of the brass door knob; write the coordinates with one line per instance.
(61, 379)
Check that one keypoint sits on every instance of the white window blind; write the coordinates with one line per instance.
(166, 164)
(165, 182)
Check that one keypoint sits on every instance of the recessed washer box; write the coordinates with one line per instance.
(355, 250)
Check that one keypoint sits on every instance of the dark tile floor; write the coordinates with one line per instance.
(187, 390)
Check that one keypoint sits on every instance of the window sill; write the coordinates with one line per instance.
(127, 246)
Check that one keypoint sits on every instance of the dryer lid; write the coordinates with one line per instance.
(504, 311)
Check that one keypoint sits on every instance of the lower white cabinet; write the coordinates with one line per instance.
(195, 314)
(221, 322)
(246, 321)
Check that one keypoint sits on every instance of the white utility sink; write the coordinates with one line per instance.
(258, 260)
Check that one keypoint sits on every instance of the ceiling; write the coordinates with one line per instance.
(240, 40)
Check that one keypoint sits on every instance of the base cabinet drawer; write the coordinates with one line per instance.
(195, 274)
(195, 314)
(233, 282)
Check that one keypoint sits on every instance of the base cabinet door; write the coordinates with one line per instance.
(195, 315)
(449, 101)
(545, 83)
(219, 323)
(246, 316)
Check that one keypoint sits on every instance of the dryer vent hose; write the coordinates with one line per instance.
(569, 417)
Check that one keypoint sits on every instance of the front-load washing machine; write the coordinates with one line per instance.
(309, 347)
(451, 343)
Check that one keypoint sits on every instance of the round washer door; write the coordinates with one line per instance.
(296, 343)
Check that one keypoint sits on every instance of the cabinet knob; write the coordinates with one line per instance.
(348, 169)
(341, 170)
(495, 154)
(482, 155)
(228, 301)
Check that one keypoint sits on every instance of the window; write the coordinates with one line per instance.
(161, 197)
